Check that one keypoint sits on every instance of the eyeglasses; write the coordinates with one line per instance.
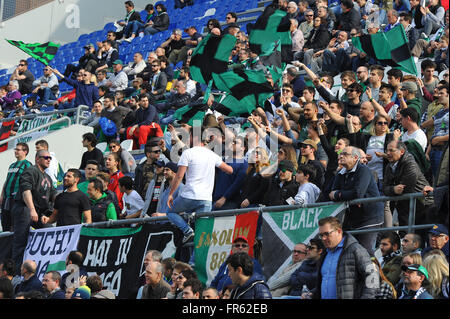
(382, 123)
(299, 252)
(345, 154)
(353, 35)
(24, 65)
(47, 158)
(326, 234)
(240, 245)
(446, 75)
(155, 65)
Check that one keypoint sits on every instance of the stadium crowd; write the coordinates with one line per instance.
(381, 132)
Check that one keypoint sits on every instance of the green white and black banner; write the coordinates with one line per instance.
(117, 254)
(283, 230)
(49, 247)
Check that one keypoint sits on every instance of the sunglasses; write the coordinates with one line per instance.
(156, 151)
(299, 252)
(309, 15)
(24, 65)
(382, 123)
(240, 245)
(47, 158)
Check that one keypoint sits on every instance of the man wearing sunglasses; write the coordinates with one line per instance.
(145, 172)
(32, 201)
(46, 86)
(24, 77)
(240, 245)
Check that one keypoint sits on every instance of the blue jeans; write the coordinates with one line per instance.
(168, 119)
(133, 27)
(181, 204)
(45, 95)
(435, 160)
(150, 30)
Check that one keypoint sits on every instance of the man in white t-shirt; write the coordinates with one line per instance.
(132, 201)
(198, 164)
(408, 120)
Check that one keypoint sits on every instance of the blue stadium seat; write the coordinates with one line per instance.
(3, 71)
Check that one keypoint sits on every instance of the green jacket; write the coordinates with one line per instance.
(416, 104)
(110, 211)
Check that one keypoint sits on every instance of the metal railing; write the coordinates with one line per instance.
(78, 115)
(232, 212)
(36, 129)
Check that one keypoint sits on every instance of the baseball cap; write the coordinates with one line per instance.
(16, 102)
(410, 86)
(172, 166)
(287, 165)
(311, 143)
(81, 293)
(118, 62)
(241, 238)
(160, 163)
(438, 229)
(416, 267)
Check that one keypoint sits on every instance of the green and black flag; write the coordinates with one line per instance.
(211, 57)
(272, 25)
(194, 111)
(273, 62)
(247, 89)
(43, 52)
(390, 48)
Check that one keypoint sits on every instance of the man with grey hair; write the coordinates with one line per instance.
(292, 10)
(30, 280)
(355, 181)
(307, 25)
(393, 19)
(137, 66)
(7, 101)
(402, 176)
(32, 201)
(298, 40)
(155, 285)
(173, 46)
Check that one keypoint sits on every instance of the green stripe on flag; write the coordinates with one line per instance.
(109, 232)
(43, 52)
(59, 266)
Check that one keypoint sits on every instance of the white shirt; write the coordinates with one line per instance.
(119, 81)
(376, 144)
(132, 203)
(201, 163)
(418, 135)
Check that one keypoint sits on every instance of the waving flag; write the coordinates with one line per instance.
(272, 25)
(211, 56)
(43, 52)
(389, 47)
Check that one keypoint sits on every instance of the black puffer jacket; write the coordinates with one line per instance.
(254, 288)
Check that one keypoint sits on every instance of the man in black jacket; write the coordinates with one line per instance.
(32, 201)
(282, 186)
(174, 101)
(403, 176)
(355, 181)
(249, 285)
(349, 18)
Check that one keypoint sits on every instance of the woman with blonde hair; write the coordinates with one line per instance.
(287, 152)
(255, 184)
(437, 267)
(387, 289)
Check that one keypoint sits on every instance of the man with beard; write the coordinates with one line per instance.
(71, 206)
(391, 256)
